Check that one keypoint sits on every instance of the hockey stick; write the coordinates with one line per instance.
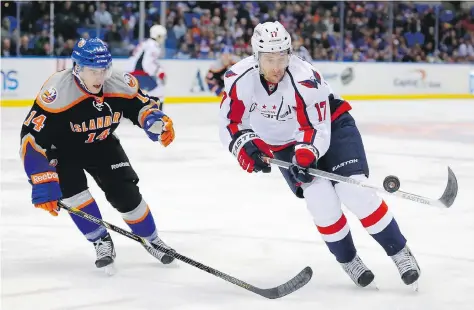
(289, 287)
(446, 200)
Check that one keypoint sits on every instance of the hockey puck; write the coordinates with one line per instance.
(391, 184)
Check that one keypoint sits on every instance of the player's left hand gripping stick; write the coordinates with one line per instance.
(297, 282)
(158, 127)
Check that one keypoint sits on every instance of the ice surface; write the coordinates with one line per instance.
(249, 226)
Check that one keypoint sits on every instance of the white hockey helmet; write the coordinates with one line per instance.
(158, 33)
(270, 37)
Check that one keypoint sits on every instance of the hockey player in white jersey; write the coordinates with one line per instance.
(277, 105)
(144, 64)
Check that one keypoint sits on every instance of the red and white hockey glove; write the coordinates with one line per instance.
(249, 150)
(306, 156)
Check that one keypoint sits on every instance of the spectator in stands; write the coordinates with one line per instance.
(102, 16)
(5, 27)
(7, 48)
(67, 49)
(25, 49)
(199, 29)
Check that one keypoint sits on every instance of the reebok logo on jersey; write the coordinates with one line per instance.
(351, 161)
(120, 165)
(44, 177)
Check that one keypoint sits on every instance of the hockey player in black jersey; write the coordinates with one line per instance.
(216, 73)
(70, 130)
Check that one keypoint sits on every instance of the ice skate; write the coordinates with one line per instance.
(407, 267)
(358, 272)
(105, 251)
(161, 256)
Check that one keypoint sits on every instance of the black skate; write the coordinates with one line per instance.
(407, 267)
(161, 256)
(105, 251)
(358, 272)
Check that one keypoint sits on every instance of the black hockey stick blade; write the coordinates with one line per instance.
(300, 280)
(289, 287)
(451, 191)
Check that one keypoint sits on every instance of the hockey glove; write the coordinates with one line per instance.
(306, 156)
(249, 149)
(46, 191)
(159, 127)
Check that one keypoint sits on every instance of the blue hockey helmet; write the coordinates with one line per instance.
(91, 53)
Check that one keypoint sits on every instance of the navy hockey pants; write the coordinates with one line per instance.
(345, 156)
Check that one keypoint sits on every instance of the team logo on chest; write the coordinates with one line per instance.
(279, 112)
(98, 103)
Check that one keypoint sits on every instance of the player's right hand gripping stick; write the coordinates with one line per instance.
(159, 127)
(249, 150)
(46, 191)
(305, 156)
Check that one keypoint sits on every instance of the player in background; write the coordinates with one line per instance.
(70, 130)
(215, 75)
(301, 51)
(144, 64)
(277, 105)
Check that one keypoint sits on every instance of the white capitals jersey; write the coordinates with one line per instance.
(145, 58)
(297, 110)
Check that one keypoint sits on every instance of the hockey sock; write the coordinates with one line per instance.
(141, 221)
(338, 238)
(84, 202)
(383, 227)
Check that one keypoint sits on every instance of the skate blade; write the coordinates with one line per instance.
(374, 286)
(414, 286)
(109, 270)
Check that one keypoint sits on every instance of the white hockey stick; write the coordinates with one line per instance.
(446, 200)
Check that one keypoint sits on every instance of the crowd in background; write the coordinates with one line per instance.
(347, 31)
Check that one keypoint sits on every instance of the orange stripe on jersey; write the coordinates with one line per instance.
(143, 98)
(48, 109)
(375, 216)
(120, 95)
(28, 139)
(334, 228)
(145, 114)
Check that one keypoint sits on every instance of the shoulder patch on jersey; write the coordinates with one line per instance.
(130, 80)
(230, 73)
(313, 81)
(49, 95)
(81, 43)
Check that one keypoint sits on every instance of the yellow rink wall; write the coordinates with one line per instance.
(22, 78)
(214, 99)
